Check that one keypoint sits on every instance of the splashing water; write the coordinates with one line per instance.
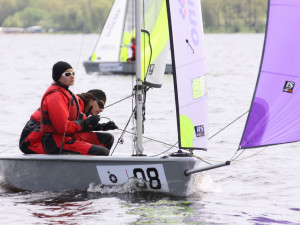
(131, 186)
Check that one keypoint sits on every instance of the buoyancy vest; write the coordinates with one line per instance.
(36, 116)
(59, 110)
(81, 104)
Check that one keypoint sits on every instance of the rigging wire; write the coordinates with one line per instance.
(254, 154)
(172, 146)
(202, 159)
(122, 134)
(72, 96)
(8, 149)
(119, 101)
(217, 134)
(228, 125)
(242, 151)
(151, 139)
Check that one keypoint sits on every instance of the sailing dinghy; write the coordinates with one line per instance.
(272, 119)
(171, 174)
(113, 46)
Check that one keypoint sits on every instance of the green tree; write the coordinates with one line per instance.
(89, 15)
(234, 15)
(9, 7)
(13, 21)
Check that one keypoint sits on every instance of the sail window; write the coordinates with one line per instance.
(199, 87)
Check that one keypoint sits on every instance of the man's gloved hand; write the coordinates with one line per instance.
(88, 123)
(109, 126)
(105, 126)
(92, 120)
(97, 127)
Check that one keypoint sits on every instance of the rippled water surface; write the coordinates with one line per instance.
(261, 188)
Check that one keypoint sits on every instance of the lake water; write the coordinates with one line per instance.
(262, 187)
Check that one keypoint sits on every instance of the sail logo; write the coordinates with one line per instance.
(151, 69)
(192, 18)
(289, 86)
(199, 130)
(182, 10)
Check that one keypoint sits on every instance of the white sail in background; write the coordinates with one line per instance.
(188, 59)
(108, 45)
(115, 44)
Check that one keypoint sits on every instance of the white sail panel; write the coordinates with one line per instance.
(188, 59)
(109, 43)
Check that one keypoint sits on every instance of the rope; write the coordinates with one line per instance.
(8, 149)
(166, 150)
(119, 101)
(122, 134)
(202, 159)
(77, 66)
(235, 159)
(151, 139)
(228, 125)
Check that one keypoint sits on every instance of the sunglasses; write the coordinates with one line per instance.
(67, 74)
(100, 104)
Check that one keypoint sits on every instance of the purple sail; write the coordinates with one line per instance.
(274, 117)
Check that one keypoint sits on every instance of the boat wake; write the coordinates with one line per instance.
(203, 183)
(200, 183)
(131, 186)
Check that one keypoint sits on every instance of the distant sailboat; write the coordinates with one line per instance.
(113, 46)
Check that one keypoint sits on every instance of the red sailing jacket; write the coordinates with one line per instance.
(33, 140)
(56, 117)
(133, 52)
(36, 116)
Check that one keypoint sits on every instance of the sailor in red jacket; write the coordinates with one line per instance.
(91, 103)
(62, 121)
(132, 58)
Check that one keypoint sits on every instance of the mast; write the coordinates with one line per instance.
(139, 83)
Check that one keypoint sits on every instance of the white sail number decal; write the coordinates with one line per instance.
(152, 173)
(104, 67)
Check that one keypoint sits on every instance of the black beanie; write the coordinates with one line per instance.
(58, 69)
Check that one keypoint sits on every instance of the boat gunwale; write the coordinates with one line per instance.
(84, 158)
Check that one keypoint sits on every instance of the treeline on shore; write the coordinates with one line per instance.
(234, 15)
(58, 15)
(89, 15)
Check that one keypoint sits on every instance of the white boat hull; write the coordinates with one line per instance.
(115, 67)
(76, 172)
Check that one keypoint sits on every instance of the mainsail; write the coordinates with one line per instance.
(188, 60)
(275, 109)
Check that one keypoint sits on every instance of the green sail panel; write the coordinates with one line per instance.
(155, 42)
(189, 69)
